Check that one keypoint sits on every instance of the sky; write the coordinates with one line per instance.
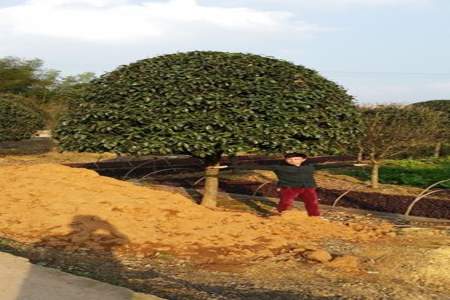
(381, 51)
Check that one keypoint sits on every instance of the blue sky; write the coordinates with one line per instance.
(381, 51)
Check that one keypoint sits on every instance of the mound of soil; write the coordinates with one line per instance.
(72, 208)
(124, 234)
(51, 157)
(430, 207)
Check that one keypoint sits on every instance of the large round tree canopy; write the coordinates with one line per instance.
(209, 103)
(17, 121)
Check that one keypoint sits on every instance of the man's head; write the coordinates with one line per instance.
(295, 158)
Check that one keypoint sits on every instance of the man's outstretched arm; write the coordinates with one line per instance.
(248, 167)
(338, 165)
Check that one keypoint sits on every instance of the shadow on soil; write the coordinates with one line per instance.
(76, 253)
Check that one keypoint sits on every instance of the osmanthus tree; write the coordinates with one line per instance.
(17, 121)
(443, 135)
(390, 130)
(208, 104)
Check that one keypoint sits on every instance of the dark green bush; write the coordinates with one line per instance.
(18, 121)
(438, 105)
(443, 136)
(210, 103)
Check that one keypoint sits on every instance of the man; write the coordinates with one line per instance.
(295, 179)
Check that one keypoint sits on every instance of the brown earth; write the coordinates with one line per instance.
(158, 240)
(69, 208)
(53, 157)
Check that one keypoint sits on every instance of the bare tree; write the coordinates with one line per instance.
(391, 130)
(442, 106)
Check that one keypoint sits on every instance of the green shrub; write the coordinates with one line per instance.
(18, 121)
(440, 146)
(210, 103)
(420, 173)
(438, 105)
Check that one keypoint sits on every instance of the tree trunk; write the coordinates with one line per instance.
(374, 178)
(360, 156)
(437, 149)
(211, 185)
(375, 175)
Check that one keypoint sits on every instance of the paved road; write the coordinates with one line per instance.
(21, 280)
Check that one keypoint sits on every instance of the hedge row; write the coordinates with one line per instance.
(18, 121)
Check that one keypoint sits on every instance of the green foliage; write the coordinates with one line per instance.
(390, 130)
(39, 88)
(208, 103)
(17, 121)
(420, 173)
(72, 87)
(29, 102)
(26, 77)
(16, 75)
(438, 105)
(67, 89)
(442, 106)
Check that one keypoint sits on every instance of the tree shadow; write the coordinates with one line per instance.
(88, 233)
(246, 193)
(243, 198)
(194, 194)
(253, 204)
(66, 252)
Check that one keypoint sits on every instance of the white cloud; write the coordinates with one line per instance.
(373, 2)
(121, 20)
(319, 4)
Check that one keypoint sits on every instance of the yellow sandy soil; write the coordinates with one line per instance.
(74, 208)
(53, 157)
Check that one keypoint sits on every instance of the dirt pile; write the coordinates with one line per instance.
(318, 255)
(69, 208)
(54, 157)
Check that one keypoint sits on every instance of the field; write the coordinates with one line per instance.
(410, 172)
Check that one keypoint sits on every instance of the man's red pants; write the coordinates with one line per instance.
(308, 195)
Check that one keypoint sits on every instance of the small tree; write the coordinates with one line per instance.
(28, 82)
(207, 104)
(391, 130)
(26, 78)
(443, 135)
(72, 87)
(17, 121)
(65, 90)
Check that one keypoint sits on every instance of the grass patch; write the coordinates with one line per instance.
(411, 172)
